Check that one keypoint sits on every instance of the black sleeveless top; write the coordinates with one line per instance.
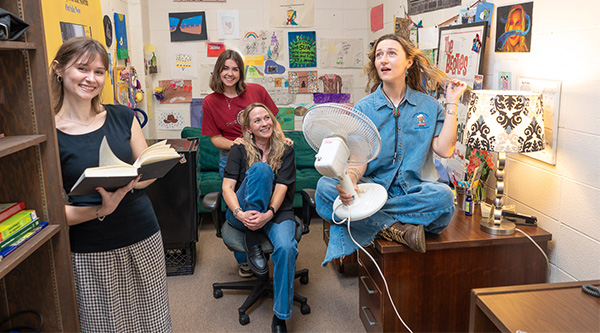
(134, 219)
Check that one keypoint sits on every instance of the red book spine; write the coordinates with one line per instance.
(11, 210)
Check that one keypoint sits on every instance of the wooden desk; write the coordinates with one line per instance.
(431, 290)
(547, 307)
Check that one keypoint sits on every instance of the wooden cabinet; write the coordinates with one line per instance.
(546, 307)
(432, 290)
(38, 275)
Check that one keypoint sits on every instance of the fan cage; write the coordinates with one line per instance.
(358, 131)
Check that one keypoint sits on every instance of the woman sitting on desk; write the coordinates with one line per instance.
(414, 126)
(258, 187)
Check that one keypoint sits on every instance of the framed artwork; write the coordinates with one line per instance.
(461, 49)
(513, 27)
(550, 90)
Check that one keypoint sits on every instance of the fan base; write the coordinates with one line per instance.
(371, 197)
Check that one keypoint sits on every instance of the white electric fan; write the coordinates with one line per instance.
(343, 136)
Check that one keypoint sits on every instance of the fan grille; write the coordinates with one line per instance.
(332, 119)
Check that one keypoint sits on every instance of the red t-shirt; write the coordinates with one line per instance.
(221, 117)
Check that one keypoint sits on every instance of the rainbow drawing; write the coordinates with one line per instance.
(251, 34)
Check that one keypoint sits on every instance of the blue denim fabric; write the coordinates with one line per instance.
(429, 204)
(240, 257)
(421, 119)
(223, 162)
(410, 179)
(255, 194)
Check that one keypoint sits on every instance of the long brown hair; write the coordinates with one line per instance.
(276, 141)
(216, 84)
(85, 49)
(422, 75)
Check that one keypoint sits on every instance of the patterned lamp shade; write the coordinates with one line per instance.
(505, 121)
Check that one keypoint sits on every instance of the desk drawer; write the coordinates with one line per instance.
(369, 301)
(370, 267)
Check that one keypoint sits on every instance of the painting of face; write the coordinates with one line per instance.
(515, 22)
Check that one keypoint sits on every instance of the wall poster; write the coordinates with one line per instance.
(303, 49)
(303, 82)
(341, 53)
(187, 26)
(461, 49)
(292, 13)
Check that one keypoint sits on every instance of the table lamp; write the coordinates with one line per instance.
(504, 121)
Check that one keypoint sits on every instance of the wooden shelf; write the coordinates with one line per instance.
(38, 275)
(13, 144)
(24, 251)
(9, 45)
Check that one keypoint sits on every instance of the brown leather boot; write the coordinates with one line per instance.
(410, 235)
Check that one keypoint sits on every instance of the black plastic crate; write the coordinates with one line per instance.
(180, 260)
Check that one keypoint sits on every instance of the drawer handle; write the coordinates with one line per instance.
(370, 291)
(364, 310)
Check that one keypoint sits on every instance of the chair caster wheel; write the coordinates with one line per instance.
(305, 309)
(244, 319)
(304, 279)
(217, 293)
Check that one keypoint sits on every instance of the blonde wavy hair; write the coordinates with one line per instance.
(422, 75)
(276, 141)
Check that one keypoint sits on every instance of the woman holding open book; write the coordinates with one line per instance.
(117, 251)
(258, 188)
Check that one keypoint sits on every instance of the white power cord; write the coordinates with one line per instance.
(373, 260)
(539, 248)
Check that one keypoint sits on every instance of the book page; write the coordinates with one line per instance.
(159, 151)
(107, 157)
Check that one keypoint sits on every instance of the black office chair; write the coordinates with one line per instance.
(262, 285)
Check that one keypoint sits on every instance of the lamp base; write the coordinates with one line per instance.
(505, 227)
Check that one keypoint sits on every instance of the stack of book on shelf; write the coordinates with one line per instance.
(17, 225)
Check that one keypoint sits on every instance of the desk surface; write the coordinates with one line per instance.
(464, 231)
(547, 307)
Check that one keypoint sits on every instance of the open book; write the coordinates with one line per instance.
(112, 173)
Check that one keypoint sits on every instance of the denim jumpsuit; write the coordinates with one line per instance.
(404, 167)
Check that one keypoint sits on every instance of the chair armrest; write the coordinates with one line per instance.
(308, 207)
(212, 203)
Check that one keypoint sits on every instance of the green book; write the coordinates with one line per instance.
(25, 229)
(15, 222)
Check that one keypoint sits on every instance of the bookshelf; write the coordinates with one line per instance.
(38, 275)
